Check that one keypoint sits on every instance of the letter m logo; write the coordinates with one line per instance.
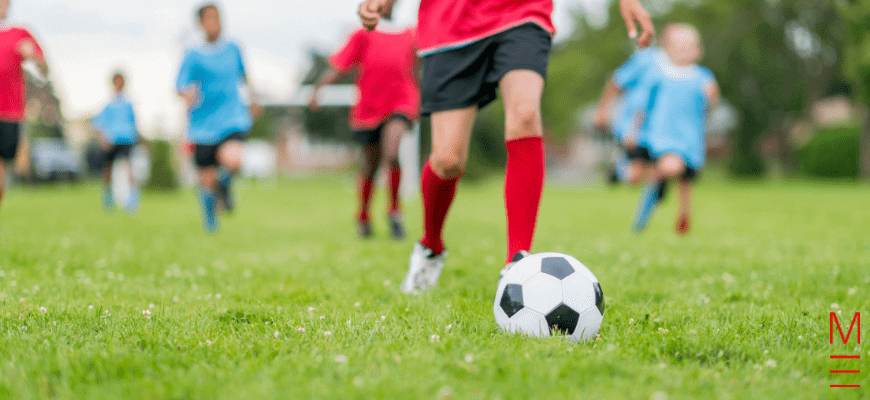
(856, 320)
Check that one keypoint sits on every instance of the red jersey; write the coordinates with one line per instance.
(386, 81)
(11, 73)
(448, 24)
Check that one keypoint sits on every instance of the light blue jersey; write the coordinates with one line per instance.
(217, 71)
(117, 122)
(676, 111)
(628, 78)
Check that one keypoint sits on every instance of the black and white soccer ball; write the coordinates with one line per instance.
(550, 294)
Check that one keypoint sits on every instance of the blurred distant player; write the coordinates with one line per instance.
(388, 104)
(673, 133)
(209, 83)
(116, 125)
(471, 48)
(17, 45)
(628, 114)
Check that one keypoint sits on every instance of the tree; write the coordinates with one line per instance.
(856, 63)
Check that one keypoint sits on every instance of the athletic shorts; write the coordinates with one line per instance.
(205, 155)
(640, 153)
(469, 75)
(10, 132)
(373, 136)
(117, 151)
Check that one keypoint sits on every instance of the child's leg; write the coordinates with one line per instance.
(451, 133)
(524, 175)
(229, 158)
(108, 199)
(685, 205)
(394, 130)
(365, 185)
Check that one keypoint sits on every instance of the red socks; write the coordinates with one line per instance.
(395, 180)
(438, 194)
(366, 187)
(523, 184)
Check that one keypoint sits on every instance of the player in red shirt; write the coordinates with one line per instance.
(470, 48)
(389, 102)
(16, 46)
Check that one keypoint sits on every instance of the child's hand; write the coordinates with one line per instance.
(190, 96)
(370, 12)
(633, 13)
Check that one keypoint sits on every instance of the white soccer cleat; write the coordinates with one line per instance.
(424, 269)
(517, 257)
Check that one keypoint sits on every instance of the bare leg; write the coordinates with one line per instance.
(368, 172)
(229, 156)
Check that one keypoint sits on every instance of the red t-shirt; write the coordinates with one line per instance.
(385, 80)
(448, 24)
(11, 73)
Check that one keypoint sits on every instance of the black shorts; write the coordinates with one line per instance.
(640, 153)
(469, 75)
(373, 136)
(117, 151)
(205, 155)
(10, 132)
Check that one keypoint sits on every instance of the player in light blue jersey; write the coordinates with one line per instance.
(625, 117)
(209, 83)
(680, 92)
(116, 126)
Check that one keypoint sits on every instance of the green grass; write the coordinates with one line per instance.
(737, 310)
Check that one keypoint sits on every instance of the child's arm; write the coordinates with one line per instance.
(329, 77)
(711, 92)
(602, 113)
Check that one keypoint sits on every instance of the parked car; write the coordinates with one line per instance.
(52, 160)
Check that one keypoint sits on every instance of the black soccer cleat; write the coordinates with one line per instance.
(397, 226)
(364, 229)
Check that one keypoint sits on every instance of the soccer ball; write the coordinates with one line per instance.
(549, 294)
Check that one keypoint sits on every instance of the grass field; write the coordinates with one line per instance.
(286, 303)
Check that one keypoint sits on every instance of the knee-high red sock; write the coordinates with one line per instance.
(395, 180)
(366, 187)
(523, 184)
(438, 194)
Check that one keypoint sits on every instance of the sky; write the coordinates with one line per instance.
(86, 40)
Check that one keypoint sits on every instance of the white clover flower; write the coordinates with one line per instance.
(43, 310)
(175, 299)
(300, 329)
(218, 296)
(276, 334)
(383, 317)
(356, 304)
(341, 358)
(449, 327)
(327, 333)
(146, 314)
(434, 338)
(90, 307)
(322, 317)
(770, 364)
(208, 342)
(310, 309)
(835, 305)
(469, 358)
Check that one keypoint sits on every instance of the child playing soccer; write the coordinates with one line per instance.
(116, 125)
(17, 45)
(672, 136)
(388, 103)
(208, 82)
(470, 49)
(628, 114)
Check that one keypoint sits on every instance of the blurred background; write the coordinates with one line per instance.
(793, 74)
